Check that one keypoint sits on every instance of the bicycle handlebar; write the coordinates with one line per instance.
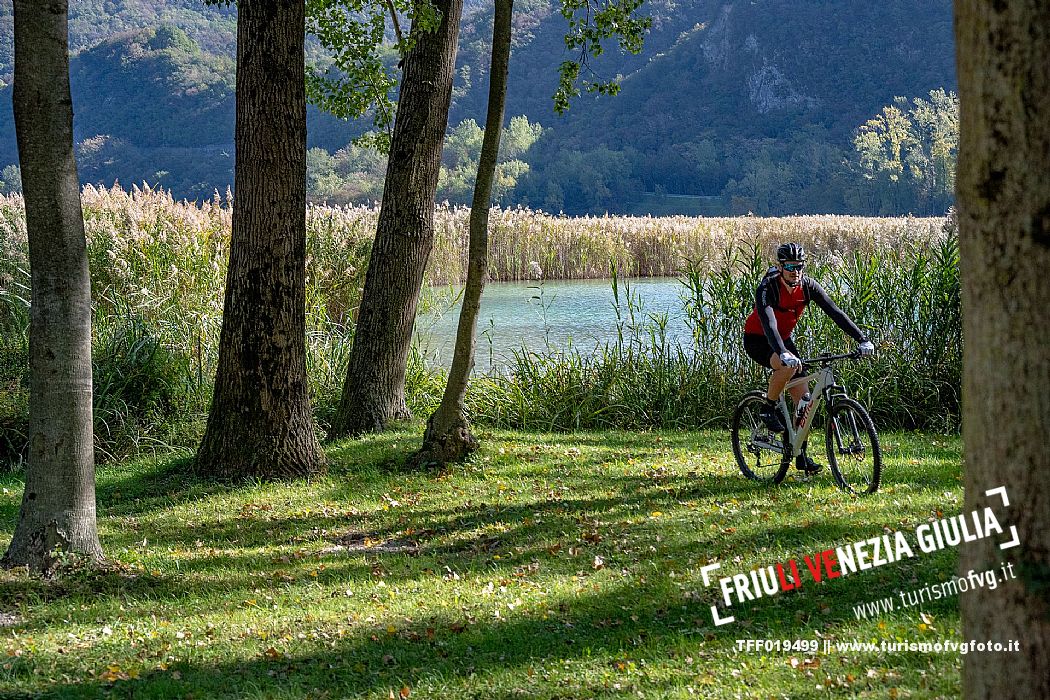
(825, 359)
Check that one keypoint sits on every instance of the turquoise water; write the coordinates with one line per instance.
(552, 314)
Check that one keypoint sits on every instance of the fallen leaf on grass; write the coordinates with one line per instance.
(250, 509)
(795, 662)
(114, 673)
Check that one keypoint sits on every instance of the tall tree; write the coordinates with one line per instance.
(448, 436)
(260, 422)
(374, 391)
(58, 506)
(908, 152)
(1003, 186)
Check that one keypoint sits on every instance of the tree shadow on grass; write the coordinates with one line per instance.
(477, 531)
(464, 538)
(153, 485)
(622, 498)
(359, 469)
(468, 652)
(376, 462)
(522, 550)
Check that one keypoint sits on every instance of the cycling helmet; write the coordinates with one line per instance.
(791, 252)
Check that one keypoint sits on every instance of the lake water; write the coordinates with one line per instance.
(555, 313)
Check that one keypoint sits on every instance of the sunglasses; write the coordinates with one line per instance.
(794, 267)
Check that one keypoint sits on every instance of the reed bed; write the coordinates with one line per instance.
(158, 276)
(905, 297)
(528, 244)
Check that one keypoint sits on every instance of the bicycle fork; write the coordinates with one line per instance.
(847, 424)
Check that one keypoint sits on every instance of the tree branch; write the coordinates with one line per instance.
(393, 17)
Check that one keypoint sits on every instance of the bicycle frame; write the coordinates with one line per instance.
(825, 388)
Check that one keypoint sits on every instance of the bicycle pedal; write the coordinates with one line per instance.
(767, 444)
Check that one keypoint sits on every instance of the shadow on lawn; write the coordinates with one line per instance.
(358, 469)
(560, 506)
(376, 463)
(469, 650)
(467, 538)
(562, 547)
(442, 531)
(9, 513)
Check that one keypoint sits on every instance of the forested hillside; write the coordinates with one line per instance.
(745, 100)
(732, 107)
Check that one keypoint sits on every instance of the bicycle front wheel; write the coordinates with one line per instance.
(759, 452)
(853, 447)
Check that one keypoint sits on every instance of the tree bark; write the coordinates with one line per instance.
(1003, 190)
(260, 423)
(58, 506)
(374, 390)
(448, 435)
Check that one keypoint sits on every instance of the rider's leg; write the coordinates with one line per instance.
(797, 392)
(777, 381)
(781, 375)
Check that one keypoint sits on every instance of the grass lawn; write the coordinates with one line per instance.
(550, 566)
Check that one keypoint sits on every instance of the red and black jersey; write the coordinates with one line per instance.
(778, 308)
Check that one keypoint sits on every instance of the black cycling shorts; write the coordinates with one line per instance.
(759, 349)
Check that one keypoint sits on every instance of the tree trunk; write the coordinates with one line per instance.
(374, 390)
(260, 424)
(58, 506)
(448, 436)
(1004, 229)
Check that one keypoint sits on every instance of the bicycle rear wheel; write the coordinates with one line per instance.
(759, 452)
(853, 447)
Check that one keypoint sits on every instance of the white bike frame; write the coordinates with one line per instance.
(798, 430)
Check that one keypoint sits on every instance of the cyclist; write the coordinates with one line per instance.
(781, 298)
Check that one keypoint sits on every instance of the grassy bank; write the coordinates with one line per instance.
(550, 566)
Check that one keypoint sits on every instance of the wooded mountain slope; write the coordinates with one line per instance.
(733, 106)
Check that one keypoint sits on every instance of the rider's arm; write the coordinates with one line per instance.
(817, 294)
(764, 304)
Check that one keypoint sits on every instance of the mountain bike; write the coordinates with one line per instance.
(850, 439)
